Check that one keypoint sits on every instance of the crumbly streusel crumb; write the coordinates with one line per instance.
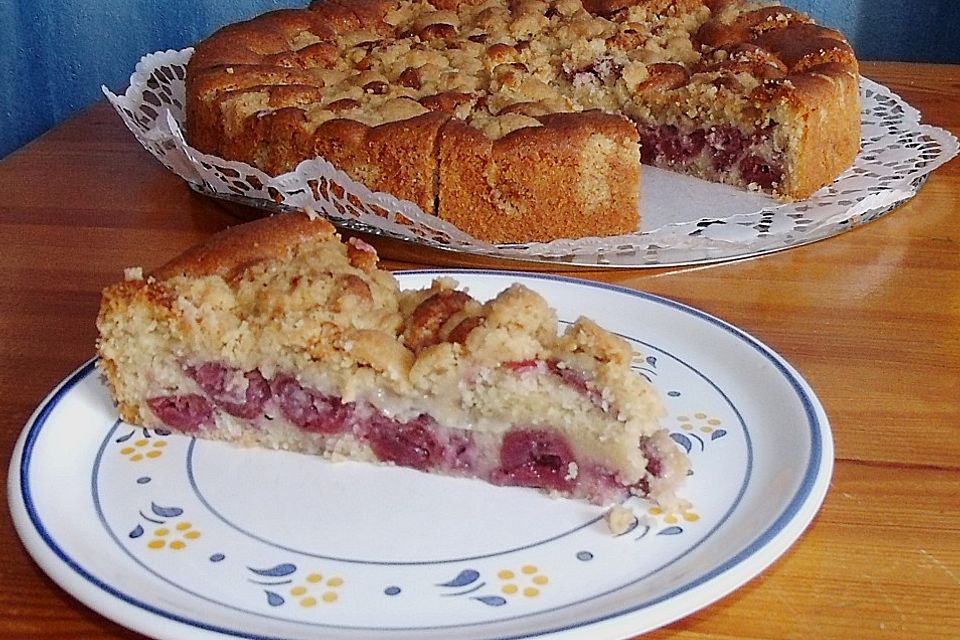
(620, 519)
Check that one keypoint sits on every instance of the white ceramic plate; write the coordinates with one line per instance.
(181, 538)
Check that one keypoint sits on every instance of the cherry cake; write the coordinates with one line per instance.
(527, 120)
(277, 334)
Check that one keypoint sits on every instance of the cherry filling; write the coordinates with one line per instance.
(409, 444)
(724, 149)
(219, 382)
(309, 409)
(724, 146)
(652, 454)
(535, 458)
(599, 485)
(189, 412)
(529, 457)
(460, 452)
(755, 170)
(415, 443)
(655, 467)
(522, 366)
(668, 143)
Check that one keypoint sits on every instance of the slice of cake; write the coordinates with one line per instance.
(276, 334)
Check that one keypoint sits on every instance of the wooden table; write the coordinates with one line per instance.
(871, 318)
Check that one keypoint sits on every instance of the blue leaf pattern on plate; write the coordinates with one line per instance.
(670, 531)
(492, 601)
(279, 570)
(682, 440)
(165, 512)
(274, 599)
(465, 577)
(137, 532)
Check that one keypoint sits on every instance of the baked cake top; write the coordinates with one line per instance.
(501, 64)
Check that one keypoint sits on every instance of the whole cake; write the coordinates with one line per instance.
(276, 334)
(524, 120)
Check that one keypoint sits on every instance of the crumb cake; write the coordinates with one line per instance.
(277, 334)
(526, 120)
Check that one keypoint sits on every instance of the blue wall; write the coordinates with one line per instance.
(917, 31)
(55, 54)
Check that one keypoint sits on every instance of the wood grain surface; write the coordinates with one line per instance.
(871, 318)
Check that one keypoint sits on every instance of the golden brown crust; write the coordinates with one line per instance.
(210, 86)
(831, 138)
(353, 15)
(427, 319)
(507, 188)
(664, 76)
(803, 46)
(250, 41)
(608, 7)
(431, 102)
(396, 157)
(235, 248)
(813, 73)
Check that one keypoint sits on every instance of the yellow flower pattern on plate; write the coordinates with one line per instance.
(306, 594)
(143, 449)
(672, 517)
(174, 538)
(528, 581)
(699, 421)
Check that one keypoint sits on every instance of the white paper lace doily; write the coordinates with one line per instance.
(685, 221)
